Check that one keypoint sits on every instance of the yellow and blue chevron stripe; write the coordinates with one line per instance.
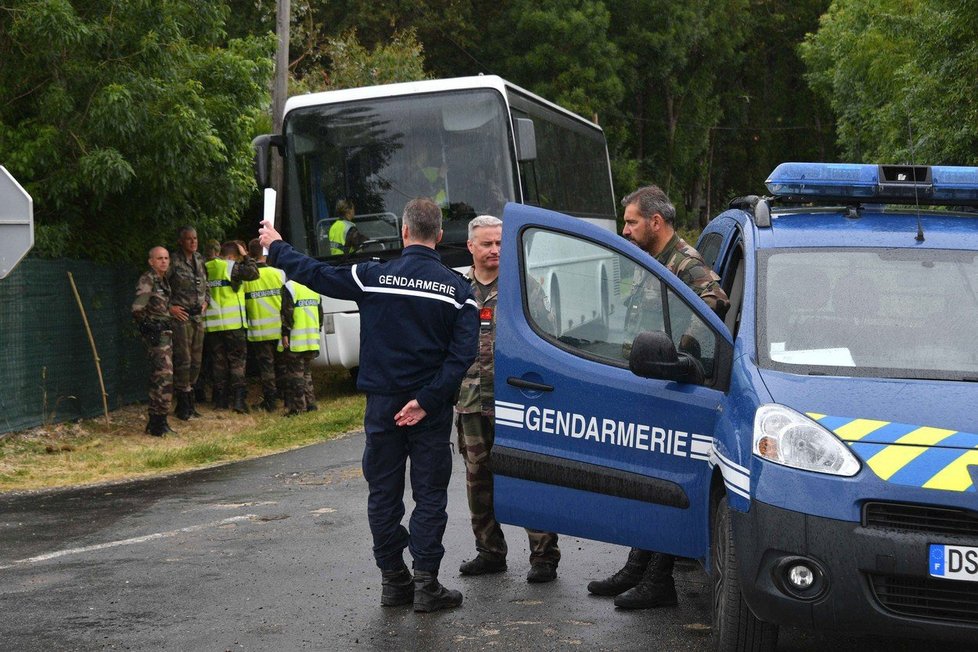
(917, 456)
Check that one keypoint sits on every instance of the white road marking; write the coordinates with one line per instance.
(129, 542)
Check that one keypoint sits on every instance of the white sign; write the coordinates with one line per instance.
(16, 222)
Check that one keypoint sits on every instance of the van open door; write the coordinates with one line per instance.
(584, 445)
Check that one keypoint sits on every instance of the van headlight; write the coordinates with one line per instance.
(786, 437)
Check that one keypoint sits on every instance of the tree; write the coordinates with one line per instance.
(351, 65)
(677, 58)
(899, 76)
(770, 115)
(560, 50)
(126, 118)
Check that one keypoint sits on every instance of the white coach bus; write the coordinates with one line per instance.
(471, 144)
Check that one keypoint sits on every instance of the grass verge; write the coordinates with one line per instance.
(90, 452)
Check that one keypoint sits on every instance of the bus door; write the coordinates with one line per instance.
(583, 446)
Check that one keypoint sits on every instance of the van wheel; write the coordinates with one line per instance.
(735, 627)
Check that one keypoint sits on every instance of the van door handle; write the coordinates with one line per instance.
(528, 384)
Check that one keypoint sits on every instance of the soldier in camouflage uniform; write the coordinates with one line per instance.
(477, 417)
(151, 310)
(212, 250)
(188, 302)
(225, 277)
(302, 310)
(263, 305)
(646, 579)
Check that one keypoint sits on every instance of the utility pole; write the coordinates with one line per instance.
(280, 89)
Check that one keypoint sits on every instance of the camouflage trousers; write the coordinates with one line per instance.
(188, 346)
(269, 366)
(160, 374)
(299, 394)
(230, 357)
(476, 434)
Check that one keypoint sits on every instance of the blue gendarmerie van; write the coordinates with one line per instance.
(816, 449)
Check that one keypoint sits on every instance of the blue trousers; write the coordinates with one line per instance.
(427, 445)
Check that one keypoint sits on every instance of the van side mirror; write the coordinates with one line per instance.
(262, 145)
(526, 140)
(654, 355)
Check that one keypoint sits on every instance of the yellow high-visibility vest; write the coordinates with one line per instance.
(337, 236)
(225, 310)
(263, 305)
(305, 319)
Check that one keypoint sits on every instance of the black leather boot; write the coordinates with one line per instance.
(220, 398)
(240, 406)
(430, 595)
(269, 400)
(625, 578)
(481, 565)
(397, 587)
(192, 403)
(542, 571)
(657, 588)
(157, 425)
(182, 410)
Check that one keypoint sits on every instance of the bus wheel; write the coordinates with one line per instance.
(735, 627)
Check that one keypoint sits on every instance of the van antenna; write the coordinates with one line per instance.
(913, 168)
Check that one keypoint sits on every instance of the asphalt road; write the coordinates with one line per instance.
(274, 554)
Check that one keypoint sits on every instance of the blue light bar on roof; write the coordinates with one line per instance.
(815, 180)
(955, 184)
(903, 184)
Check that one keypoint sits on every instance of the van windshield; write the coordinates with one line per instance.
(892, 313)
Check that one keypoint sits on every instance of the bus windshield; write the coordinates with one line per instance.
(352, 167)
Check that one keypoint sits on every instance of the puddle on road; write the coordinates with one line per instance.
(344, 474)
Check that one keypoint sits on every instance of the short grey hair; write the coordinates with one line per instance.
(651, 200)
(423, 219)
(482, 221)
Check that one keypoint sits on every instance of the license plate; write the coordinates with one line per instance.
(954, 562)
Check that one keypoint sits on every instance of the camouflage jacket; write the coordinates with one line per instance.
(476, 393)
(686, 263)
(188, 281)
(242, 270)
(152, 298)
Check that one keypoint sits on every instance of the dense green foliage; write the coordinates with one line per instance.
(900, 75)
(126, 118)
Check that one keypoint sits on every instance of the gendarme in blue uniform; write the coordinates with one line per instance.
(419, 332)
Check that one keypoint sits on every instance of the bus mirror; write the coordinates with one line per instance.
(262, 163)
(526, 140)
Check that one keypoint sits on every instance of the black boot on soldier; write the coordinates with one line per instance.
(182, 410)
(157, 425)
(542, 571)
(430, 595)
(240, 394)
(397, 587)
(192, 403)
(657, 588)
(481, 565)
(625, 578)
(268, 400)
